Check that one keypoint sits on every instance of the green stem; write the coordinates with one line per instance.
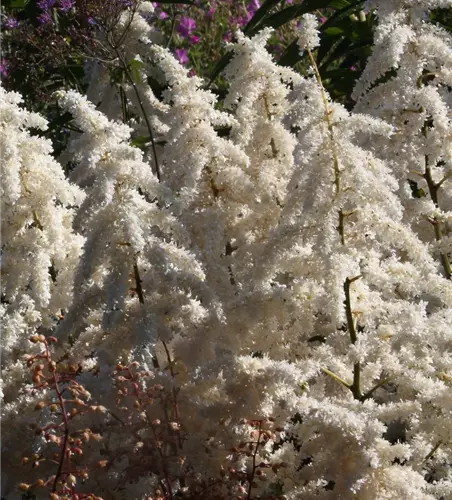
(173, 26)
(356, 386)
(337, 178)
(434, 449)
(140, 103)
(369, 393)
(336, 377)
(433, 188)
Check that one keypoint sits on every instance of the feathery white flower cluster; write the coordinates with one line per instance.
(39, 248)
(308, 36)
(40, 253)
(281, 272)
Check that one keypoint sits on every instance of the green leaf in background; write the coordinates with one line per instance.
(263, 10)
(284, 16)
(343, 13)
(141, 142)
(341, 4)
(291, 55)
(135, 66)
(14, 4)
(327, 42)
(222, 63)
(334, 30)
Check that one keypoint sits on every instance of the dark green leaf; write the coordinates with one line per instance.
(14, 4)
(336, 53)
(286, 15)
(263, 10)
(342, 14)
(291, 55)
(340, 4)
(326, 44)
(135, 66)
(140, 142)
(222, 63)
(334, 30)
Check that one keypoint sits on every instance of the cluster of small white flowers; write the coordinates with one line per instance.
(39, 248)
(270, 274)
(308, 36)
(407, 83)
(40, 253)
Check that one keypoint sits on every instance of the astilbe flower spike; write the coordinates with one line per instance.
(40, 252)
(273, 316)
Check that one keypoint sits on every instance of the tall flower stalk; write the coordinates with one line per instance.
(266, 313)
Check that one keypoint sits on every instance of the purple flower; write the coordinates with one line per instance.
(163, 15)
(186, 26)
(45, 18)
(92, 21)
(194, 39)
(238, 21)
(253, 6)
(182, 55)
(66, 5)
(212, 10)
(11, 23)
(46, 5)
(4, 67)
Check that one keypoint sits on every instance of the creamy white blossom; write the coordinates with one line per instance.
(269, 264)
(308, 34)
